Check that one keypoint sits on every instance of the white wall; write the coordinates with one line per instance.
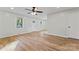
(57, 24)
(73, 21)
(8, 24)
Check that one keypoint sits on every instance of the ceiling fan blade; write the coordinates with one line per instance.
(39, 11)
(28, 9)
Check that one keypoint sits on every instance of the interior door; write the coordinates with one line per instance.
(73, 26)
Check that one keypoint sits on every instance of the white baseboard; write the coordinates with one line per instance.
(3, 36)
(62, 35)
(57, 35)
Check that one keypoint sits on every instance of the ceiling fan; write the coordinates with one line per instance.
(34, 11)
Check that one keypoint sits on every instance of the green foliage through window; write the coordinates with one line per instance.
(19, 22)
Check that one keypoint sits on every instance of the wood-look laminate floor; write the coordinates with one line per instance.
(35, 41)
(6, 40)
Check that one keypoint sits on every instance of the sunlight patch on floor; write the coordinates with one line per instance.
(10, 47)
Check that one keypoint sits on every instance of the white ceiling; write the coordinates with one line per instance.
(50, 10)
(46, 10)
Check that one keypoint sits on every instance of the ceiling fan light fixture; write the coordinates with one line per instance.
(33, 13)
(36, 9)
